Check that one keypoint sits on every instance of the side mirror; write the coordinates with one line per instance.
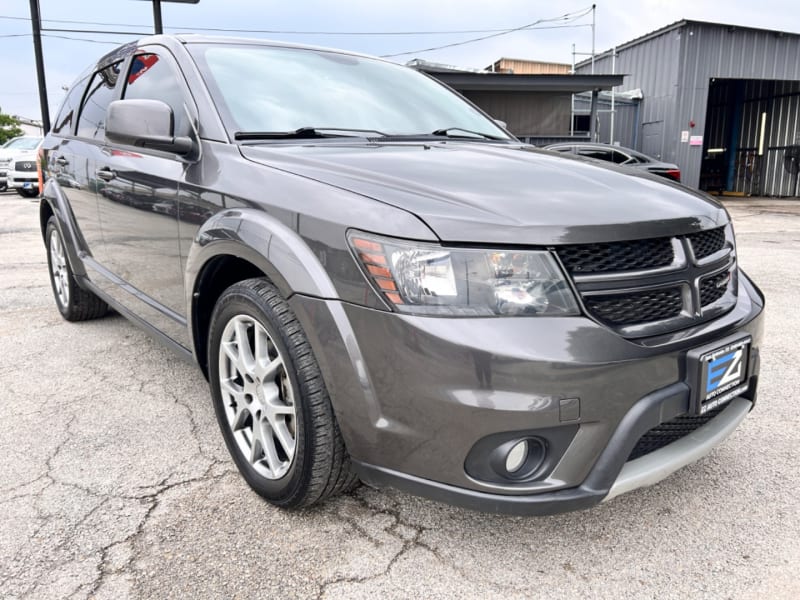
(502, 124)
(145, 124)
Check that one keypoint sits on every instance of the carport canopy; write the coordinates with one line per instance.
(494, 92)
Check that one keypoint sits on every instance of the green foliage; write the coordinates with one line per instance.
(9, 128)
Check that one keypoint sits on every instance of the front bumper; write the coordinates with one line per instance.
(414, 395)
(20, 180)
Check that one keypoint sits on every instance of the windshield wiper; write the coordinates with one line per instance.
(303, 133)
(447, 132)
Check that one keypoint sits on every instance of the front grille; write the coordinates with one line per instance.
(636, 307)
(671, 431)
(707, 242)
(652, 286)
(27, 165)
(713, 288)
(617, 256)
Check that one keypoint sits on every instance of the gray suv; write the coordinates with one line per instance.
(382, 284)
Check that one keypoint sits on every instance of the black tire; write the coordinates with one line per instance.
(320, 467)
(28, 193)
(3, 187)
(76, 304)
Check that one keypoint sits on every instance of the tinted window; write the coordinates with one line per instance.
(152, 78)
(65, 119)
(597, 153)
(618, 157)
(266, 88)
(92, 123)
(639, 157)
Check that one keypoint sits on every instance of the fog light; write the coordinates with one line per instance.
(517, 456)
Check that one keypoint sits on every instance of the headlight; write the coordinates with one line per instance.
(420, 278)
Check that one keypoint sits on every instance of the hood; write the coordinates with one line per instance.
(504, 194)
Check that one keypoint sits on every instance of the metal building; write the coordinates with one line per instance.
(535, 108)
(721, 101)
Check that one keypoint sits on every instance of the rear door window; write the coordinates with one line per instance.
(598, 153)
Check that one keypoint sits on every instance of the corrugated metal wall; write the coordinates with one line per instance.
(674, 70)
(717, 51)
(527, 113)
(651, 66)
(625, 119)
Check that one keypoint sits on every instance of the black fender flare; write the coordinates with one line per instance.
(74, 244)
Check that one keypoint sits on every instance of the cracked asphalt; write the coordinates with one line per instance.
(115, 482)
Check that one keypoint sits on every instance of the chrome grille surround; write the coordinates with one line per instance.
(699, 288)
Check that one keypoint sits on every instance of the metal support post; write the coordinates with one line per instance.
(613, 111)
(159, 25)
(36, 24)
(593, 118)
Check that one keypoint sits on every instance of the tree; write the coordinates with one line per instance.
(9, 128)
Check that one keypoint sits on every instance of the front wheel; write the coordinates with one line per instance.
(270, 400)
(28, 193)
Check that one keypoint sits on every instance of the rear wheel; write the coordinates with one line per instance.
(74, 303)
(270, 400)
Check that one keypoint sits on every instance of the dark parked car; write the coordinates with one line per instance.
(381, 283)
(620, 156)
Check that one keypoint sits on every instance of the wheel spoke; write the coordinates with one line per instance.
(261, 349)
(246, 360)
(284, 437)
(270, 370)
(231, 352)
(256, 444)
(270, 454)
(240, 418)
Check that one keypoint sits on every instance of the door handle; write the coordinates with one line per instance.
(106, 174)
(62, 161)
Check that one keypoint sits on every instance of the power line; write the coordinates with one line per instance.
(564, 17)
(65, 37)
(492, 33)
(277, 31)
(79, 39)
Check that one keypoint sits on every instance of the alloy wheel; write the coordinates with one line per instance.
(258, 396)
(59, 269)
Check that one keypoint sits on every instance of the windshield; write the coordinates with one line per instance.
(275, 89)
(23, 143)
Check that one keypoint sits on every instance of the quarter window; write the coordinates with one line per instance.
(92, 123)
(65, 120)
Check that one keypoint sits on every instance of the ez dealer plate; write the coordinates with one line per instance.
(719, 374)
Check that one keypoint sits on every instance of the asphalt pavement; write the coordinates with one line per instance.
(115, 482)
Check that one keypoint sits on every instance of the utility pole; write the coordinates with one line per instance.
(157, 22)
(36, 24)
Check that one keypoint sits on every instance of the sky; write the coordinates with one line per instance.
(319, 22)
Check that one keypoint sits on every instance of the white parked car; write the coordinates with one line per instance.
(19, 147)
(23, 176)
